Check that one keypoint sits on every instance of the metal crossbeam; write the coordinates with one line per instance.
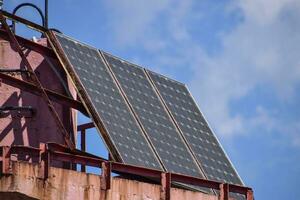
(31, 88)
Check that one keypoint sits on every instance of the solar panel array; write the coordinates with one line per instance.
(195, 129)
(150, 120)
(154, 118)
(111, 107)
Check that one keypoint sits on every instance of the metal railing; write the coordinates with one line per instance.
(47, 153)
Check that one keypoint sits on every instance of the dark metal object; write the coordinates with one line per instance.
(55, 30)
(14, 72)
(46, 14)
(32, 6)
(19, 109)
(82, 146)
(29, 87)
(4, 70)
(52, 110)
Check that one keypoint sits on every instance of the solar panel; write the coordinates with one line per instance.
(195, 129)
(105, 103)
(161, 131)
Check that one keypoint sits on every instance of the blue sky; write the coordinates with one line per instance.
(239, 58)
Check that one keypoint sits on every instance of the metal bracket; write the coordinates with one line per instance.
(5, 158)
(105, 176)
(19, 109)
(14, 71)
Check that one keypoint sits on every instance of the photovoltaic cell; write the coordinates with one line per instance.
(123, 131)
(195, 129)
(158, 125)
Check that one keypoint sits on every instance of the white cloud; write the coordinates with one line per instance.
(262, 50)
(132, 18)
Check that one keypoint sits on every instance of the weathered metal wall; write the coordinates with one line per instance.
(66, 184)
(23, 128)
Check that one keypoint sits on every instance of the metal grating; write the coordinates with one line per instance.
(158, 125)
(118, 126)
(195, 129)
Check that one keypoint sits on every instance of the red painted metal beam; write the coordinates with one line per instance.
(78, 159)
(24, 21)
(105, 176)
(140, 171)
(224, 191)
(195, 181)
(165, 186)
(46, 51)
(238, 189)
(85, 126)
(53, 151)
(29, 87)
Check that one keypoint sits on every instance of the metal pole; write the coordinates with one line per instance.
(46, 14)
(82, 147)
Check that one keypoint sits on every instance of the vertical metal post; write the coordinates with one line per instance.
(249, 195)
(5, 160)
(46, 14)
(105, 175)
(165, 186)
(224, 191)
(82, 146)
(47, 161)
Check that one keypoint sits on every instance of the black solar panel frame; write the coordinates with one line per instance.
(58, 50)
(104, 54)
(210, 129)
(86, 99)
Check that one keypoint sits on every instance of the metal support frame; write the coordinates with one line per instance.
(35, 79)
(51, 151)
(43, 50)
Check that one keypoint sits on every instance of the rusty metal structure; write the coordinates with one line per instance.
(57, 147)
